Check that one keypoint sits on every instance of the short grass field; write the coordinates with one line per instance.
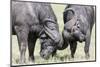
(62, 55)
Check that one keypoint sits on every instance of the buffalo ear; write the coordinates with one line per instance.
(68, 14)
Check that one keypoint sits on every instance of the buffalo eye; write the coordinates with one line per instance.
(78, 26)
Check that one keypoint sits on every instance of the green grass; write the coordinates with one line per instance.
(63, 55)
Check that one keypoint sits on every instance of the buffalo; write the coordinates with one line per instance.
(31, 21)
(78, 23)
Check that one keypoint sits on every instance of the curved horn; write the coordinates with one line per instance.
(70, 9)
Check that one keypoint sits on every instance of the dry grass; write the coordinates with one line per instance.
(63, 55)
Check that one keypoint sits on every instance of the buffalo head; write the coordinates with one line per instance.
(47, 46)
(74, 24)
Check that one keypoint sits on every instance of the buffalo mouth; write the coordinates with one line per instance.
(45, 56)
(79, 36)
(47, 52)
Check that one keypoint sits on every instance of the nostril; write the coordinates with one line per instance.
(43, 55)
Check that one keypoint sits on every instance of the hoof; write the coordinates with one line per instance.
(21, 62)
(87, 56)
(72, 56)
(31, 60)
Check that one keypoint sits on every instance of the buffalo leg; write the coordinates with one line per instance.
(54, 53)
(73, 46)
(22, 35)
(87, 44)
(31, 46)
(66, 36)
